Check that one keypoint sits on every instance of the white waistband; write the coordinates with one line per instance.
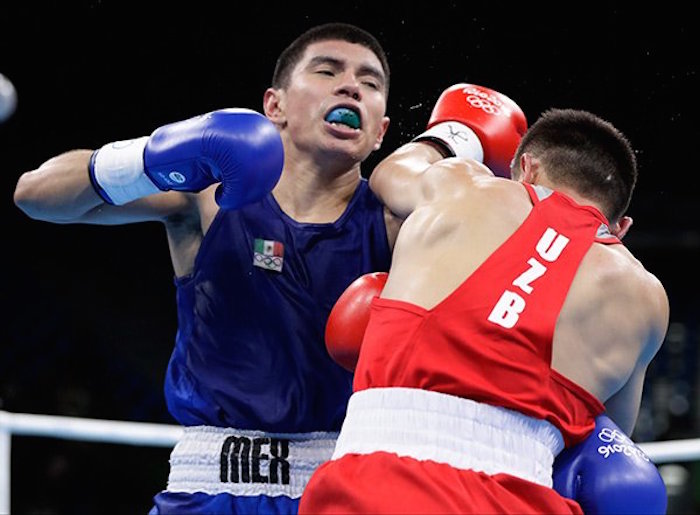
(217, 460)
(446, 429)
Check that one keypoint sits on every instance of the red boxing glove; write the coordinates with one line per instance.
(349, 317)
(488, 128)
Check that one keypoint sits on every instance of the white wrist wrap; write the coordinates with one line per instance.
(457, 137)
(118, 169)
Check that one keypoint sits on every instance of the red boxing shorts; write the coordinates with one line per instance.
(404, 450)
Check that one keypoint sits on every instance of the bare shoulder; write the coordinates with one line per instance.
(458, 171)
(636, 273)
(653, 290)
(457, 178)
(626, 275)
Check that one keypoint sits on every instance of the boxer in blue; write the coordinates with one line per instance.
(260, 250)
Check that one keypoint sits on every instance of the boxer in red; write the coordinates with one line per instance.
(513, 324)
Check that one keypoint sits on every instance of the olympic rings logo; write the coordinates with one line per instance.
(608, 435)
(618, 443)
(486, 102)
(267, 261)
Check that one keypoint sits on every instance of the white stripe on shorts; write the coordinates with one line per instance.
(216, 460)
(447, 429)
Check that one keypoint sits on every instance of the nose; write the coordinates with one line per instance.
(349, 86)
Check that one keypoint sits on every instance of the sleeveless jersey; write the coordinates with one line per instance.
(250, 351)
(490, 340)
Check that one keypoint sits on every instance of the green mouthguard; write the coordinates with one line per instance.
(345, 116)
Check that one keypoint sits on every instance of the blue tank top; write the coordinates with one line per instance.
(250, 351)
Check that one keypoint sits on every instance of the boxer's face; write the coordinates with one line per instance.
(335, 74)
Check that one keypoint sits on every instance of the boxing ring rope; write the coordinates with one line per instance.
(166, 435)
(72, 428)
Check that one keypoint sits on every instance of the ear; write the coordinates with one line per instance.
(384, 126)
(273, 105)
(530, 168)
(620, 228)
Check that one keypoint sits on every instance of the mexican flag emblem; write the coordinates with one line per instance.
(268, 254)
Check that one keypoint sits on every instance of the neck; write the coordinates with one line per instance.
(569, 192)
(310, 192)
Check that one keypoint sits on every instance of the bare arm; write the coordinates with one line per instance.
(396, 179)
(623, 406)
(413, 158)
(416, 173)
(59, 191)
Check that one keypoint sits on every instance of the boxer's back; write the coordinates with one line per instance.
(610, 312)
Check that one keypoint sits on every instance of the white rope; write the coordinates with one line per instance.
(94, 430)
(166, 435)
(672, 450)
(72, 428)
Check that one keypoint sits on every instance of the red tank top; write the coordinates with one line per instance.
(490, 340)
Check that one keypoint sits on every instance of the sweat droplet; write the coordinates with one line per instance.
(345, 116)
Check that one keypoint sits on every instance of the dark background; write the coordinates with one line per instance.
(89, 312)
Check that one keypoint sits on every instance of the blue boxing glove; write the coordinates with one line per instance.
(608, 474)
(239, 148)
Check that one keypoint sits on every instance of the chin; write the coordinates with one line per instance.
(343, 154)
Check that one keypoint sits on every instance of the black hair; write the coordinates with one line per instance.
(582, 151)
(291, 55)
